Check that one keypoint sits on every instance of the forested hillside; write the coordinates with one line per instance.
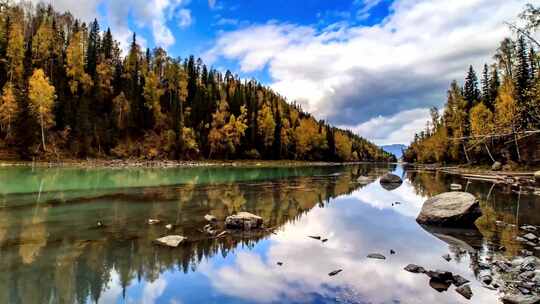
(496, 118)
(68, 91)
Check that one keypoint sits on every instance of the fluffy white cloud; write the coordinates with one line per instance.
(364, 76)
(184, 18)
(151, 14)
(399, 128)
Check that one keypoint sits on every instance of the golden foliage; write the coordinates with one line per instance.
(15, 52)
(121, 109)
(343, 146)
(481, 120)
(41, 95)
(506, 107)
(308, 138)
(8, 109)
(75, 55)
(266, 124)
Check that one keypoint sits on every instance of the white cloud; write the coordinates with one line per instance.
(399, 128)
(184, 18)
(151, 14)
(153, 290)
(353, 74)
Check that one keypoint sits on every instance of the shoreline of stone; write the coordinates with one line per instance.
(162, 164)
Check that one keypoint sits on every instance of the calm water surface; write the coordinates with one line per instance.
(51, 250)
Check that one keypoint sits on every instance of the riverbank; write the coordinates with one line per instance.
(133, 163)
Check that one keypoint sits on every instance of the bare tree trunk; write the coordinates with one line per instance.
(466, 155)
(42, 132)
(489, 153)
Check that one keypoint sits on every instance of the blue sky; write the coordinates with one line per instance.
(372, 66)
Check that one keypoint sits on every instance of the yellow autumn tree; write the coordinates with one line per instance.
(506, 107)
(41, 95)
(308, 138)
(8, 109)
(227, 130)
(75, 55)
(266, 124)
(121, 111)
(15, 53)
(41, 46)
(481, 120)
(152, 95)
(343, 146)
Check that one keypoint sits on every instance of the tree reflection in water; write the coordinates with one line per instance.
(53, 251)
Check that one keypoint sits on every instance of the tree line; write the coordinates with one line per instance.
(485, 119)
(69, 92)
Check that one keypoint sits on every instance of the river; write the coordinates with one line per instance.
(53, 251)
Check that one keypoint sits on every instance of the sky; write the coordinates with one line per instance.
(372, 66)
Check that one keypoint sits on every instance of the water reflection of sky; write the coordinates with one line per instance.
(356, 225)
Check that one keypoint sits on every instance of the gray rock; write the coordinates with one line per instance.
(520, 239)
(364, 180)
(414, 268)
(459, 280)
(486, 279)
(442, 276)
(497, 166)
(153, 221)
(529, 228)
(453, 209)
(390, 181)
(447, 257)
(170, 240)
(244, 221)
(169, 226)
(520, 299)
(455, 187)
(531, 237)
(439, 286)
(210, 218)
(465, 291)
(376, 256)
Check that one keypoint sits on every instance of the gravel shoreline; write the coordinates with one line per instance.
(131, 163)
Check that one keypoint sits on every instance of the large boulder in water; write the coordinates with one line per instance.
(390, 181)
(450, 209)
(243, 221)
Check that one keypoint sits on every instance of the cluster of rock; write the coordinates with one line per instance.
(528, 237)
(241, 221)
(441, 280)
(518, 279)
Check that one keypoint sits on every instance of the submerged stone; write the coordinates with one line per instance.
(210, 218)
(243, 221)
(455, 187)
(520, 299)
(465, 291)
(414, 268)
(376, 256)
(390, 181)
(171, 240)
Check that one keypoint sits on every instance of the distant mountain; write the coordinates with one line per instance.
(396, 149)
